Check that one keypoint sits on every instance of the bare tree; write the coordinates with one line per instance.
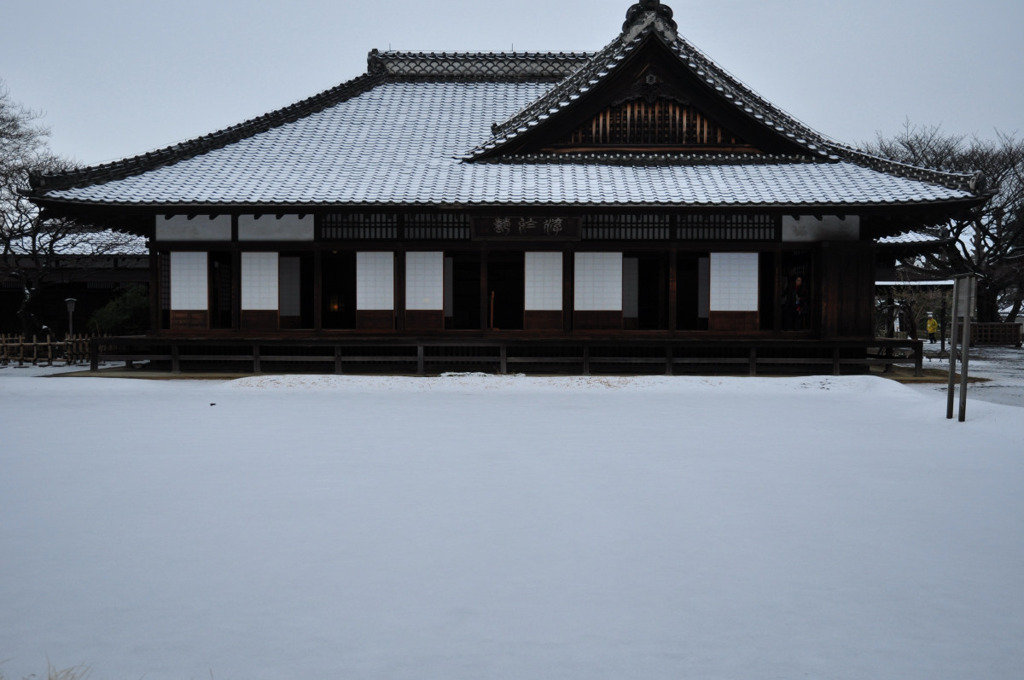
(33, 246)
(989, 241)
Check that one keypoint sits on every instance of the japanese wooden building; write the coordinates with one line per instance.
(639, 196)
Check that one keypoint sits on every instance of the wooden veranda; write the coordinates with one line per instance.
(425, 355)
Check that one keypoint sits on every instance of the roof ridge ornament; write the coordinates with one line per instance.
(645, 13)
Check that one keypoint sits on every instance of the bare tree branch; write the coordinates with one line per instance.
(989, 241)
(32, 246)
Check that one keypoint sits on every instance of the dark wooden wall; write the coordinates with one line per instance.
(847, 290)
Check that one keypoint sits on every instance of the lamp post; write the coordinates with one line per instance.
(70, 302)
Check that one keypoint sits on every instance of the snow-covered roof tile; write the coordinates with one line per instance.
(399, 143)
(399, 136)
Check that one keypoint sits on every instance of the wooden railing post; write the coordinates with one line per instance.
(94, 354)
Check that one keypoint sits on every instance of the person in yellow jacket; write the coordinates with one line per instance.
(933, 328)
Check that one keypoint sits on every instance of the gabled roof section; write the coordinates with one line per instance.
(648, 22)
(649, 26)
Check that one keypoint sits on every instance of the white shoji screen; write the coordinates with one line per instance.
(259, 281)
(734, 282)
(598, 282)
(543, 282)
(375, 281)
(424, 281)
(189, 287)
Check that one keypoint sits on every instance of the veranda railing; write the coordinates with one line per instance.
(21, 350)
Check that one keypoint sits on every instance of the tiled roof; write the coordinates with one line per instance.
(909, 238)
(399, 134)
(650, 24)
(398, 143)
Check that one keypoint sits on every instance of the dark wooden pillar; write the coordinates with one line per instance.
(155, 292)
(236, 286)
(777, 292)
(485, 294)
(400, 289)
(673, 289)
(318, 289)
(568, 289)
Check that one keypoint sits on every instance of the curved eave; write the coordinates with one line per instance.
(942, 206)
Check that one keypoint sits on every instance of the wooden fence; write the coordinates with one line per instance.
(20, 350)
(423, 356)
(1008, 334)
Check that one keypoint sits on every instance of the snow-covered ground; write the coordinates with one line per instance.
(1002, 369)
(497, 527)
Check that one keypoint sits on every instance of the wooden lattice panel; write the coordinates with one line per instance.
(659, 123)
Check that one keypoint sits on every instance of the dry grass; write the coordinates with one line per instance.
(938, 376)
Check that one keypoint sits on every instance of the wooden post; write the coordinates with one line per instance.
(318, 291)
(568, 290)
(952, 351)
(419, 360)
(337, 359)
(155, 294)
(966, 352)
(673, 292)
(483, 291)
(94, 354)
(400, 302)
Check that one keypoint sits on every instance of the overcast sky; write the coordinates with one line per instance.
(116, 78)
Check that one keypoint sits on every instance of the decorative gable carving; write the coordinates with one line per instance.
(663, 122)
(639, 97)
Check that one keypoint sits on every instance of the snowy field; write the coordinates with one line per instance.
(479, 527)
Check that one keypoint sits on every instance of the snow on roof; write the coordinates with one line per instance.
(399, 143)
(916, 284)
(399, 135)
(909, 238)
